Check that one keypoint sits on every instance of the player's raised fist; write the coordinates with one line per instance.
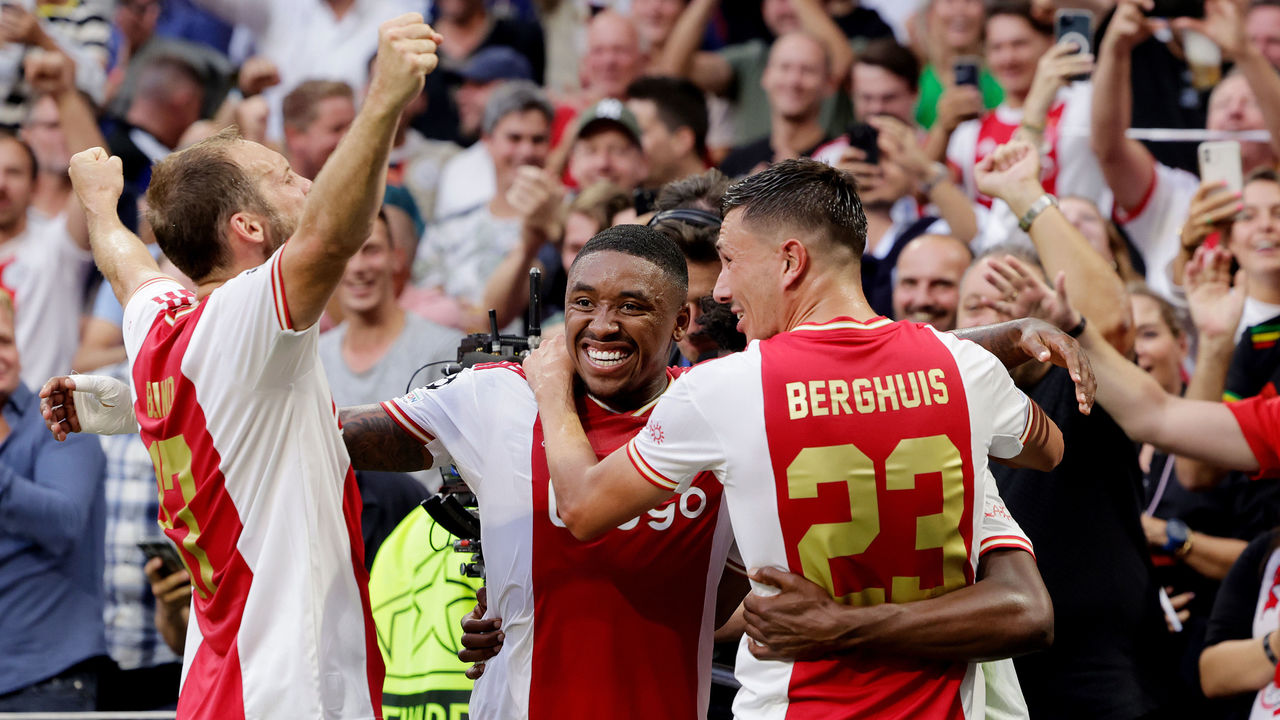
(98, 179)
(49, 72)
(406, 54)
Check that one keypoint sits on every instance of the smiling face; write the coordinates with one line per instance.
(1013, 50)
(796, 78)
(956, 23)
(621, 315)
(1255, 235)
(927, 281)
(750, 278)
(369, 280)
(1159, 351)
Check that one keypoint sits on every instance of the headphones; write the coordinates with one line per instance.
(692, 216)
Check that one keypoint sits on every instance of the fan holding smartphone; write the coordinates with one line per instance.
(1038, 64)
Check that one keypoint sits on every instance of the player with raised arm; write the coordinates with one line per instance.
(256, 485)
(852, 450)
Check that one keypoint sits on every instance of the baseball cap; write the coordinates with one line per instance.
(611, 111)
(496, 62)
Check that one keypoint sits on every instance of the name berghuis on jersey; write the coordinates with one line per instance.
(900, 391)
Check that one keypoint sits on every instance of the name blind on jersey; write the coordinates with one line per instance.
(160, 397)
(901, 391)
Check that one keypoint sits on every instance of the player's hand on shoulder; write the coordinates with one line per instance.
(549, 370)
(98, 179)
(406, 54)
(482, 637)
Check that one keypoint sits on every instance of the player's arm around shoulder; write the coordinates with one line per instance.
(1021, 434)
(339, 210)
(376, 441)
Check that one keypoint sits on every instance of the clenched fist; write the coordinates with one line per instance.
(49, 72)
(406, 54)
(98, 179)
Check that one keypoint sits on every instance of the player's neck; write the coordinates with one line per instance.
(827, 297)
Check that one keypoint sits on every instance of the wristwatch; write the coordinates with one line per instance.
(1042, 203)
(1176, 534)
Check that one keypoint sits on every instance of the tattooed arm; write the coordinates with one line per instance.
(1018, 341)
(376, 442)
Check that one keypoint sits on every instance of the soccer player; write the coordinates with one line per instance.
(620, 625)
(851, 449)
(256, 486)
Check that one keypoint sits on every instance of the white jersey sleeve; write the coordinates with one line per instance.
(1154, 224)
(997, 530)
(992, 396)
(678, 442)
(452, 416)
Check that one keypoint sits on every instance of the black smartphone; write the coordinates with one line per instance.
(867, 139)
(1075, 26)
(164, 550)
(966, 71)
(1177, 8)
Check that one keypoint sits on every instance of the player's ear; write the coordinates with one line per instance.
(248, 227)
(682, 323)
(795, 260)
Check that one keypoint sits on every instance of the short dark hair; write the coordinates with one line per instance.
(1021, 9)
(804, 195)
(193, 193)
(646, 244)
(897, 60)
(6, 134)
(302, 105)
(703, 191)
(679, 103)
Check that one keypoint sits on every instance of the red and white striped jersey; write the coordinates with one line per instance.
(619, 626)
(855, 453)
(257, 492)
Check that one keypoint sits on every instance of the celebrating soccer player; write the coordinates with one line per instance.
(256, 486)
(852, 451)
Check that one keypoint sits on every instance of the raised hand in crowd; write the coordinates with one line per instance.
(482, 637)
(1129, 26)
(1216, 303)
(1212, 208)
(1223, 23)
(957, 104)
(899, 144)
(536, 195)
(173, 602)
(19, 25)
(49, 72)
(1055, 71)
(257, 74)
(1027, 295)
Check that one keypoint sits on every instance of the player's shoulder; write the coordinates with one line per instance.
(721, 369)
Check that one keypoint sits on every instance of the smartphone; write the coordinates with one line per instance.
(1075, 26)
(966, 70)
(1177, 8)
(1220, 162)
(164, 550)
(867, 139)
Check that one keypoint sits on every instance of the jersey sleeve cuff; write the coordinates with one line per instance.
(1005, 542)
(406, 423)
(646, 470)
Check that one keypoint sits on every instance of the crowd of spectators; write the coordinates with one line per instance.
(551, 120)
